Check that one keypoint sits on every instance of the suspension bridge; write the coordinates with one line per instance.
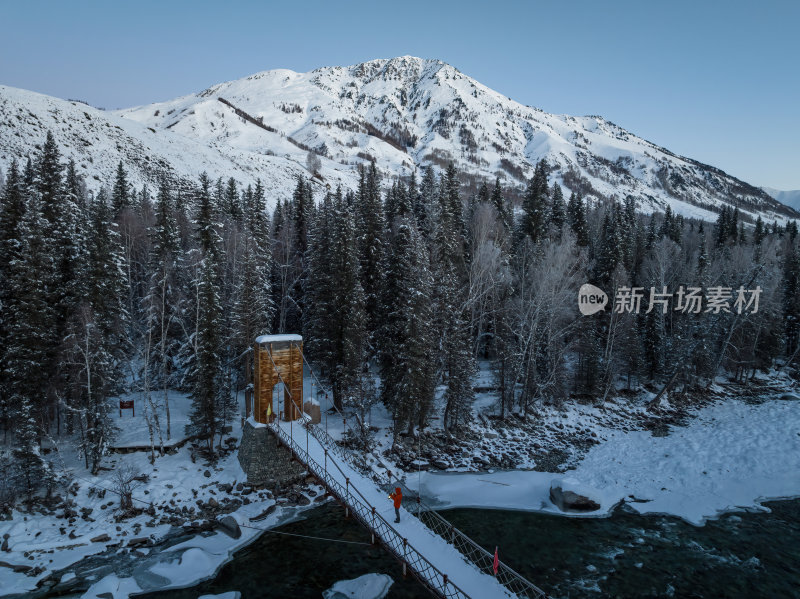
(440, 556)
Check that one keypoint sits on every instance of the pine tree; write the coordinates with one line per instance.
(576, 214)
(535, 206)
(406, 336)
(557, 216)
(791, 296)
(758, 232)
(499, 204)
(369, 214)
(610, 248)
(205, 419)
(231, 200)
(12, 214)
(28, 329)
(425, 207)
(12, 221)
(320, 285)
(121, 193)
(349, 325)
(253, 308)
(96, 341)
(105, 282)
(30, 466)
(209, 397)
(164, 302)
(722, 227)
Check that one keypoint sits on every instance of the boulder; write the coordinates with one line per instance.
(569, 496)
(103, 538)
(311, 408)
(229, 526)
(21, 568)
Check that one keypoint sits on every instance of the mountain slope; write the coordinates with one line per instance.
(404, 113)
(790, 198)
(407, 112)
(97, 140)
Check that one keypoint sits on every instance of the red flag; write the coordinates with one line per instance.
(496, 561)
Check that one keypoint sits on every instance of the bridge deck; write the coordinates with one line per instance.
(436, 562)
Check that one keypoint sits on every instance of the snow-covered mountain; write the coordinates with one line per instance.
(97, 140)
(790, 198)
(403, 112)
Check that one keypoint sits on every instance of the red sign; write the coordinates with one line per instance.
(126, 404)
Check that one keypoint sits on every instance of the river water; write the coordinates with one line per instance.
(748, 555)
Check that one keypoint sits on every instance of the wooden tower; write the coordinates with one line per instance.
(278, 359)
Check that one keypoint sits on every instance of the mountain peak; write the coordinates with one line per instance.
(405, 68)
(402, 113)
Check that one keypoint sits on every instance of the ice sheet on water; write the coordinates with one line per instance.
(369, 586)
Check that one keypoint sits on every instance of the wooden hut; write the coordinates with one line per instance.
(278, 359)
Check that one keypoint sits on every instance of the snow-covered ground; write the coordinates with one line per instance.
(731, 455)
(179, 487)
(132, 424)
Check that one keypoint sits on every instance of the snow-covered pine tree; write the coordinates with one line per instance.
(165, 301)
(456, 361)
(535, 205)
(12, 214)
(336, 323)
(348, 327)
(319, 287)
(121, 192)
(253, 307)
(105, 282)
(407, 338)
(28, 350)
(371, 248)
(425, 208)
(557, 210)
(500, 205)
(576, 215)
(30, 468)
(209, 397)
(790, 287)
(96, 343)
(610, 250)
(231, 200)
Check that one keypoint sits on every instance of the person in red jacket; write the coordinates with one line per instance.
(397, 496)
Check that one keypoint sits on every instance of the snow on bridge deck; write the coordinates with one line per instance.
(462, 579)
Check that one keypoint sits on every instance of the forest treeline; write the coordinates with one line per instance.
(411, 279)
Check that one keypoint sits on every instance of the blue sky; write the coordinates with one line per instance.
(715, 81)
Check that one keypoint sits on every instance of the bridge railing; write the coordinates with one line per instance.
(366, 513)
(482, 559)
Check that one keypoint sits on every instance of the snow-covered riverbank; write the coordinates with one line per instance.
(731, 455)
(89, 539)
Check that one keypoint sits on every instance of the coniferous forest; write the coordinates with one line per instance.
(400, 288)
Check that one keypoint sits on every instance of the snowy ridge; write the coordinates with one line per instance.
(404, 113)
(97, 140)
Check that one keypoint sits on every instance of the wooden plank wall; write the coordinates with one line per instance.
(288, 358)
